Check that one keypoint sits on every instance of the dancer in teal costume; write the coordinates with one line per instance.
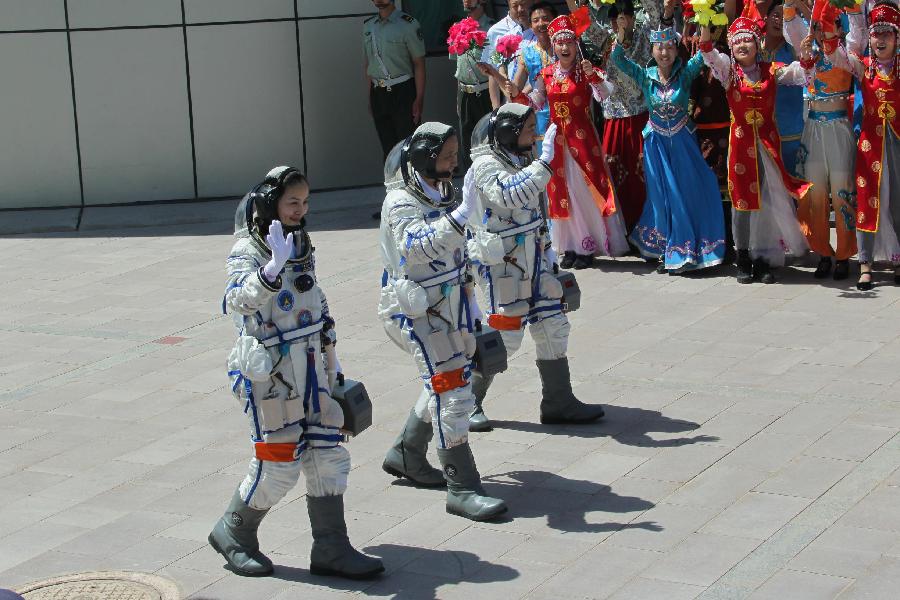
(681, 224)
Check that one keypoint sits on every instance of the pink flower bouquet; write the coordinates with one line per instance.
(507, 46)
(464, 36)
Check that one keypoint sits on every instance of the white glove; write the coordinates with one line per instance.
(281, 248)
(462, 212)
(549, 147)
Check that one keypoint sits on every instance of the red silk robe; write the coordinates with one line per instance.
(881, 104)
(570, 109)
(753, 123)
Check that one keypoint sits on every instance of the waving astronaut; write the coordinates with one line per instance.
(426, 309)
(514, 261)
(279, 377)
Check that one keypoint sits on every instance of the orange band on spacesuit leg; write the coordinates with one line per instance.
(451, 380)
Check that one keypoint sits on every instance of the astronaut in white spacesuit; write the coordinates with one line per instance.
(427, 309)
(514, 264)
(279, 376)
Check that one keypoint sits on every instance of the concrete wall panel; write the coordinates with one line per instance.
(209, 11)
(133, 115)
(123, 13)
(38, 162)
(322, 8)
(343, 146)
(16, 15)
(246, 100)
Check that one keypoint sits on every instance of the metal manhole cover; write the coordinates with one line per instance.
(111, 585)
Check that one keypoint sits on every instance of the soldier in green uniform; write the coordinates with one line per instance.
(473, 100)
(395, 72)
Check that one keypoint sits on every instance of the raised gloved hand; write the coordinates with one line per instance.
(462, 212)
(281, 247)
(549, 147)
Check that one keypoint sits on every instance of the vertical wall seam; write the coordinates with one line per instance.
(74, 116)
(190, 99)
(300, 84)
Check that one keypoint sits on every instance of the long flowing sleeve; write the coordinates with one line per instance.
(626, 65)
(857, 37)
(794, 74)
(794, 27)
(849, 62)
(719, 64)
(602, 89)
(693, 67)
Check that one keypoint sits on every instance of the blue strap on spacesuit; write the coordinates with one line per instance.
(312, 382)
(250, 404)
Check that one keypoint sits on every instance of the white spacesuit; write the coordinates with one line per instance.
(278, 374)
(425, 307)
(513, 259)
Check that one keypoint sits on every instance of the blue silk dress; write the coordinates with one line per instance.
(535, 60)
(682, 222)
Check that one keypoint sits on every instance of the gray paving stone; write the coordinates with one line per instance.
(801, 586)
(728, 409)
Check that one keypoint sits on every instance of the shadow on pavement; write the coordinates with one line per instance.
(444, 567)
(565, 502)
(627, 425)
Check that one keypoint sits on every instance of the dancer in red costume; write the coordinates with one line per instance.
(582, 201)
(878, 150)
(764, 217)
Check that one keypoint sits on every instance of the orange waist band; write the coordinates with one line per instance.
(451, 380)
(502, 323)
(276, 452)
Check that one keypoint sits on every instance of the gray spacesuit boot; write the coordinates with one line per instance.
(478, 421)
(331, 552)
(558, 404)
(406, 458)
(234, 537)
(465, 496)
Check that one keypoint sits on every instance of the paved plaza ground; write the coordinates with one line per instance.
(750, 449)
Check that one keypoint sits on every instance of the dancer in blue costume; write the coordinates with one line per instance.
(682, 222)
(534, 57)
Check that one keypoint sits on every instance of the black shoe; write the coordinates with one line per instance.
(762, 272)
(744, 267)
(568, 260)
(824, 268)
(841, 269)
(583, 261)
(661, 267)
(864, 285)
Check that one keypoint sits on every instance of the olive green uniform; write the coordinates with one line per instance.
(472, 98)
(391, 44)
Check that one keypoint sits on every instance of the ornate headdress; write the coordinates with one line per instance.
(748, 24)
(884, 17)
(569, 26)
(665, 35)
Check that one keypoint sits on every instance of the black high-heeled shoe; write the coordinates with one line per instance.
(864, 286)
(568, 260)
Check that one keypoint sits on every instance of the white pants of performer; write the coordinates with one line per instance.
(586, 231)
(773, 231)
